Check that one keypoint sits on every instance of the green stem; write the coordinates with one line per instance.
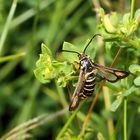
(62, 131)
(11, 57)
(7, 25)
(61, 95)
(125, 119)
(132, 9)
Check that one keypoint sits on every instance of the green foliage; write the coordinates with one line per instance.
(135, 69)
(48, 68)
(68, 56)
(137, 81)
(120, 28)
(45, 70)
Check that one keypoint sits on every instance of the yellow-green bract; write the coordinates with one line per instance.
(47, 68)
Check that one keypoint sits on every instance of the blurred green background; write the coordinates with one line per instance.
(24, 26)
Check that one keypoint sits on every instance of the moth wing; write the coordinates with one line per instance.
(110, 74)
(75, 97)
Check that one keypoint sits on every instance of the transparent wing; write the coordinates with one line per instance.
(110, 74)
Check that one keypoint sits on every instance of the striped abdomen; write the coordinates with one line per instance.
(89, 85)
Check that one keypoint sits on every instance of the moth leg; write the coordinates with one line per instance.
(76, 65)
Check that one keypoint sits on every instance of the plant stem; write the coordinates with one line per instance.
(116, 57)
(67, 123)
(61, 95)
(7, 25)
(11, 57)
(132, 9)
(125, 119)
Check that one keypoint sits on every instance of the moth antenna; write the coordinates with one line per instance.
(71, 51)
(91, 41)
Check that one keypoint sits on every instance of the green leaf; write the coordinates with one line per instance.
(137, 81)
(47, 68)
(116, 103)
(130, 90)
(68, 56)
(62, 67)
(133, 27)
(62, 81)
(137, 15)
(44, 71)
(45, 50)
(134, 68)
(102, 12)
(115, 18)
(40, 76)
(108, 25)
(126, 19)
(69, 46)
